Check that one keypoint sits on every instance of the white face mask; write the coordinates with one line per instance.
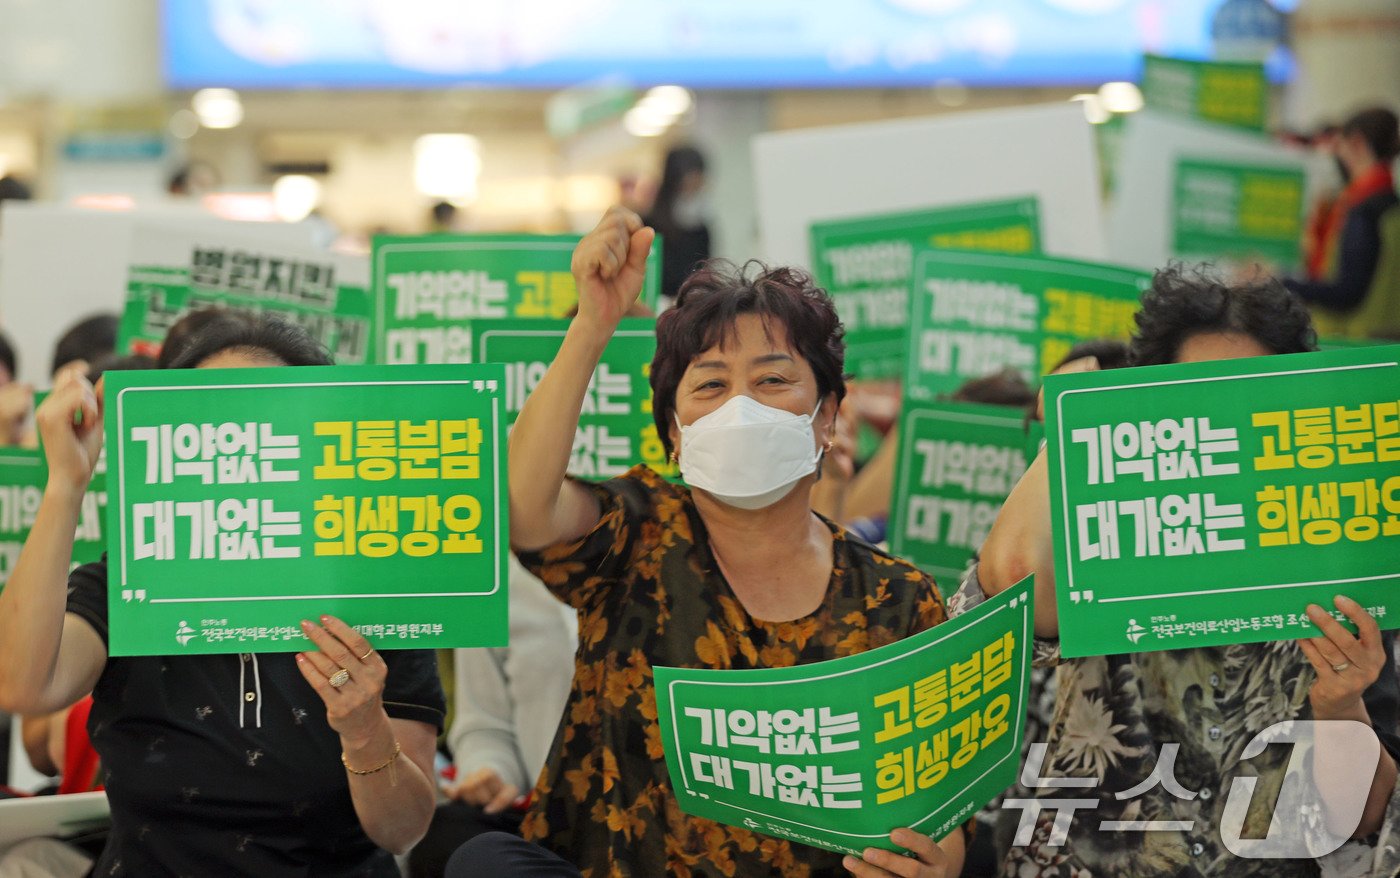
(746, 454)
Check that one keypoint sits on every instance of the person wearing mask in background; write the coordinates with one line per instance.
(89, 340)
(1355, 233)
(1190, 712)
(734, 571)
(319, 774)
(678, 216)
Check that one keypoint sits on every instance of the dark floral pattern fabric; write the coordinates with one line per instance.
(648, 591)
(1115, 720)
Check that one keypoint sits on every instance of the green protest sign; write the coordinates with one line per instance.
(867, 266)
(1226, 92)
(1234, 209)
(1209, 503)
(24, 475)
(245, 500)
(324, 293)
(973, 314)
(615, 428)
(429, 289)
(957, 463)
(921, 733)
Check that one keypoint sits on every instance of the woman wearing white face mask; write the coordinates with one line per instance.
(735, 571)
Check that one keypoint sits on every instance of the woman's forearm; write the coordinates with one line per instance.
(395, 802)
(542, 512)
(32, 607)
(1020, 544)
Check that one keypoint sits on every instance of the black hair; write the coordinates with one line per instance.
(188, 327)
(709, 306)
(1183, 302)
(91, 339)
(1005, 387)
(1110, 353)
(11, 188)
(444, 212)
(263, 335)
(1380, 129)
(7, 356)
(680, 163)
(113, 363)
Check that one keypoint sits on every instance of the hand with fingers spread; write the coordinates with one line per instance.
(1346, 664)
(609, 268)
(929, 860)
(485, 789)
(349, 676)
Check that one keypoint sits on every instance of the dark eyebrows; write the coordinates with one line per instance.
(757, 361)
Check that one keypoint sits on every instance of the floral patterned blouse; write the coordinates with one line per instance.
(1115, 718)
(648, 591)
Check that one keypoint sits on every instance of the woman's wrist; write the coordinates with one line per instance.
(1354, 710)
(370, 744)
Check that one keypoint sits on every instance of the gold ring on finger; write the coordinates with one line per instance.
(339, 678)
(1341, 667)
(368, 654)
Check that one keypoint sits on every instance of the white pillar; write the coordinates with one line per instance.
(725, 125)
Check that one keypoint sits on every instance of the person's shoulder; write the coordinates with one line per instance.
(1377, 205)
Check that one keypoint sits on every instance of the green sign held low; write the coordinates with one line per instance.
(1210, 503)
(920, 734)
(1225, 92)
(615, 429)
(867, 266)
(429, 289)
(957, 462)
(317, 291)
(246, 500)
(973, 314)
(24, 475)
(1232, 209)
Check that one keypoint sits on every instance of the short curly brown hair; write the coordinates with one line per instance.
(1185, 301)
(708, 306)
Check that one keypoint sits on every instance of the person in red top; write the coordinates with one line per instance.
(1366, 146)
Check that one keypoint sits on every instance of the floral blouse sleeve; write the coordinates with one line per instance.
(582, 572)
(1045, 652)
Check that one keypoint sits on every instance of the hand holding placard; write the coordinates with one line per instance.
(1204, 504)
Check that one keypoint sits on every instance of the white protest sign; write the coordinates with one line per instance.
(908, 164)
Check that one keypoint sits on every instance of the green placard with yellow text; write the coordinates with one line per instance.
(615, 428)
(867, 264)
(920, 733)
(245, 500)
(1205, 504)
(429, 289)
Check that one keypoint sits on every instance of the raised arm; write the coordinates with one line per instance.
(1020, 542)
(609, 268)
(49, 659)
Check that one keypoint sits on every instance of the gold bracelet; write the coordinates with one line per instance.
(375, 770)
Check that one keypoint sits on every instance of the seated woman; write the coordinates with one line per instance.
(1186, 713)
(265, 765)
(735, 571)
